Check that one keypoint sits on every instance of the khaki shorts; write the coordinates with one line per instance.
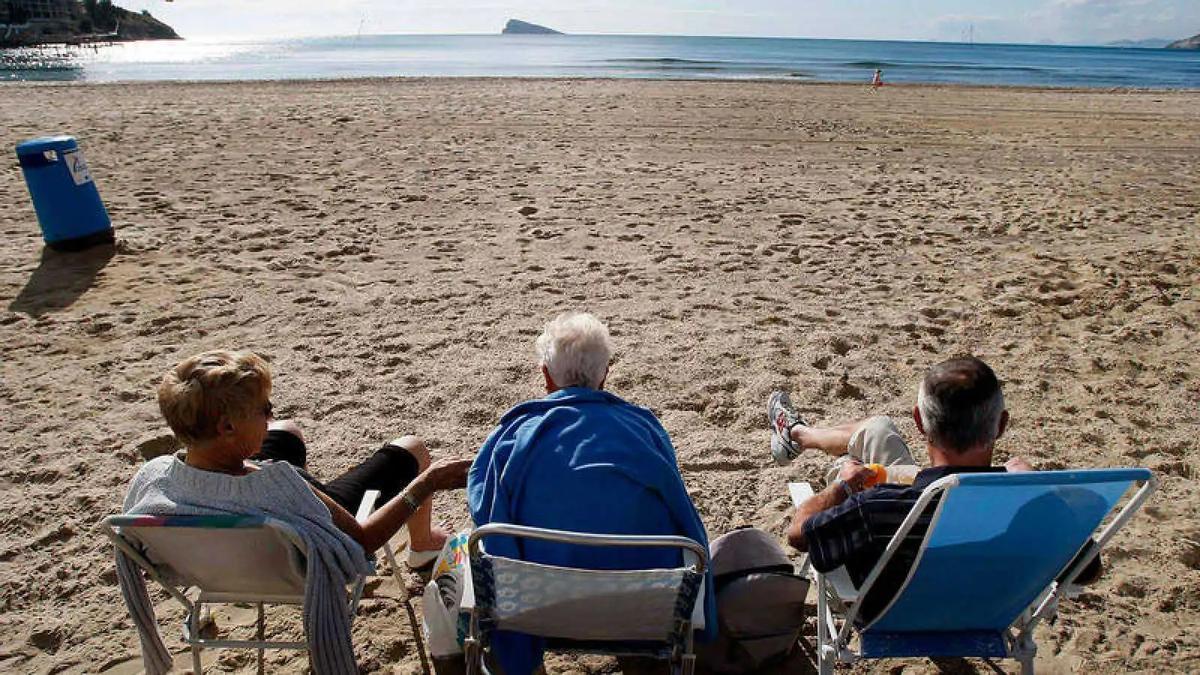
(877, 441)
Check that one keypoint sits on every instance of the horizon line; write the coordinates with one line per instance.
(1115, 44)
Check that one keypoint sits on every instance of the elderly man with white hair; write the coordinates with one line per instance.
(584, 460)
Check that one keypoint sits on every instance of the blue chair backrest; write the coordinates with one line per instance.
(997, 542)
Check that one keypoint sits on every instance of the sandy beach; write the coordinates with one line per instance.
(394, 246)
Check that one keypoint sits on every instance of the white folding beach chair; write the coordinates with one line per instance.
(994, 562)
(227, 559)
(646, 612)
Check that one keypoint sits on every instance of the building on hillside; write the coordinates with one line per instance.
(38, 11)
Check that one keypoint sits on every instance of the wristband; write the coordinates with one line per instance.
(413, 504)
(845, 487)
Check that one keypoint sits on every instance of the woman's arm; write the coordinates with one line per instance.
(386, 521)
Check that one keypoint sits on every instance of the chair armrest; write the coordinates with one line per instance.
(800, 492)
(365, 508)
(367, 505)
(467, 602)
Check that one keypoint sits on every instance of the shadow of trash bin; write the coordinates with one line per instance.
(60, 279)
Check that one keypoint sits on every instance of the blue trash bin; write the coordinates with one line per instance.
(64, 195)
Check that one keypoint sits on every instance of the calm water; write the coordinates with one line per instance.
(610, 56)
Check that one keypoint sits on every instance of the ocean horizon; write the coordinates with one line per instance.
(609, 56)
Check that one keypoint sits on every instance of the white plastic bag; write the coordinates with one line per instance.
(444, 630)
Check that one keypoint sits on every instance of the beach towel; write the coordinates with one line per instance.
(585, 461)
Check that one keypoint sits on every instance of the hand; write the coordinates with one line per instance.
(1018, 464)
(855, 475)
(448, 474)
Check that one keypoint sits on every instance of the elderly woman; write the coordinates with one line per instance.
(584, 460)
(238, 460)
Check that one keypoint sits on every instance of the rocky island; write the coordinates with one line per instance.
(1186, 43)
(43, 22)
(518, 27)
(1147, 43)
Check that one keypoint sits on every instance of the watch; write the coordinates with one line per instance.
(413, 504)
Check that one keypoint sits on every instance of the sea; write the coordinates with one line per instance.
(609, 56)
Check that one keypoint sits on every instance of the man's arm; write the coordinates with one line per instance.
(851, 479)
(822, 501)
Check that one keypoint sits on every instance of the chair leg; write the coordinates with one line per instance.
(193, 635)
(262, 636)
(473, 655)
(1025, 654)
(823, 667)
(689, 664)
(824, 662)
(391, 558)
(1024, 648)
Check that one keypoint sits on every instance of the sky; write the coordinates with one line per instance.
(1029, 21)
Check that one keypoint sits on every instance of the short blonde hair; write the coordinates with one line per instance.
(575, 349)
(194, 395)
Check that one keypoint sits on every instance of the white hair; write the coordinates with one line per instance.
(575, 349)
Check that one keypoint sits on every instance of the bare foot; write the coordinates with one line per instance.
(435, 542)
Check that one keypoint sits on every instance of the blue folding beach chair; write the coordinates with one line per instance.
(992, 565)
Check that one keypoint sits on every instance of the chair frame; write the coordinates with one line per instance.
(192, 623)
(833, 640)
(682, 658)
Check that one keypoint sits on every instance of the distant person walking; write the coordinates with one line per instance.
(877, 78)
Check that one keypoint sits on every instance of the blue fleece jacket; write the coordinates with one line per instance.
(586, 461)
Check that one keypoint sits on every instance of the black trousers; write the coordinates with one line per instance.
(389, 470)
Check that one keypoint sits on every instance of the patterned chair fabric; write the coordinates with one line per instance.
(646, 612)
(578, 604)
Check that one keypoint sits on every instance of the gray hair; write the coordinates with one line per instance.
(575, 349)
(961, 403)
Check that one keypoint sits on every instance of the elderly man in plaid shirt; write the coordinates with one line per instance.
(960, 411)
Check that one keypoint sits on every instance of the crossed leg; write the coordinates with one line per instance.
(874, 440)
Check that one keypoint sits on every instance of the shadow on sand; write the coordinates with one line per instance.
(60, 279)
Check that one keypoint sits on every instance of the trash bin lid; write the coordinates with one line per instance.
(37, 146)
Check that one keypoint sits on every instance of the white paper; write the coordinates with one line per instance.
(78, 167)
(799, 492)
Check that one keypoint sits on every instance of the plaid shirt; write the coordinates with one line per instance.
(856, 532)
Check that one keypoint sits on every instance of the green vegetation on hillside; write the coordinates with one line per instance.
(88, 21)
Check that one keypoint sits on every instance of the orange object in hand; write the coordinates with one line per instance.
(878, 475)
(897, 474)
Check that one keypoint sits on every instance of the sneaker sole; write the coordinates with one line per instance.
(782, 454)
(782, 451)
